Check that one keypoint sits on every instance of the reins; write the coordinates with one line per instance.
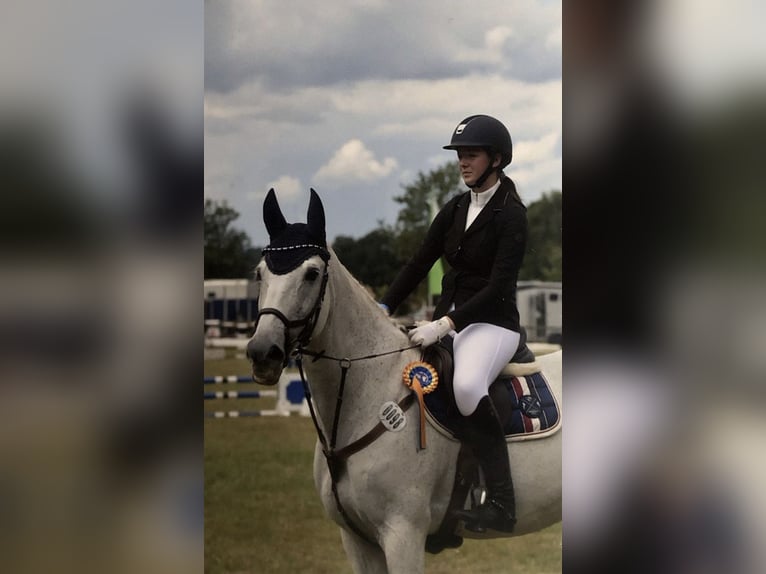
(323, 355)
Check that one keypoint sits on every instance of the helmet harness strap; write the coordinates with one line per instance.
(491, 168)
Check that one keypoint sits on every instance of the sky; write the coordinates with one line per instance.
(356, 97)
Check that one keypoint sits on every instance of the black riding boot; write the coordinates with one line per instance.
(484, 433)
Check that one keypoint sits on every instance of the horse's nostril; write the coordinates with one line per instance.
(250, 351)
(259, 354)
(275, 354)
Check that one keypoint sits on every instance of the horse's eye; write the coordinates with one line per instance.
(312, 275)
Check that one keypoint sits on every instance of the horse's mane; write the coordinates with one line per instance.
(365, 293)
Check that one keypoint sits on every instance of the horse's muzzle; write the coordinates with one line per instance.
(268, 361)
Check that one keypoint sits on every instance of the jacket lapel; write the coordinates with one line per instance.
(488, 213)
(461, 213)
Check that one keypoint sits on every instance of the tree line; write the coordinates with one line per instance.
(376, 258)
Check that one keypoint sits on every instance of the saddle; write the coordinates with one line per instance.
(527, 410)
(520, 394)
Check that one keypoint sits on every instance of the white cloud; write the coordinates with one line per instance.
(287, 187)
(354, 162)
(427, 109)
(284, 95)
(493, 49)
(554, 40)
(309, 45)
(534, 180)
(495, 40)
(534, 151)
(536, 166)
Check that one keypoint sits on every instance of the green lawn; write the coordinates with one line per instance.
(263, 515)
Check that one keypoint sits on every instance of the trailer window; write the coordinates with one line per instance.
(553, 297)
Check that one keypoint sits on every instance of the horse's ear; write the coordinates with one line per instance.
(272, 215)
(315, 218)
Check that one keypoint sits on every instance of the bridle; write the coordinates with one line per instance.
(308, 322)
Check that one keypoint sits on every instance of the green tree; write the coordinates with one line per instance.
(376, 258)
(373, 259)
(542, 260)
(414, 218)
(228, 251)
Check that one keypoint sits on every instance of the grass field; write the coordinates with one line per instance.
(262, 514)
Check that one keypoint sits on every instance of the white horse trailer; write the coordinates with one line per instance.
(230, 306)
(539, 304)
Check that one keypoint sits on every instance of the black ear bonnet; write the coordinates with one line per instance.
(292, 243)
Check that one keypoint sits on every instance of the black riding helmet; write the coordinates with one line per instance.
(487, 133)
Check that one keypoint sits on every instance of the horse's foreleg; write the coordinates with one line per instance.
(404, 547)
(364, 558)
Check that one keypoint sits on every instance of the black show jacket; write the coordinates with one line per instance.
(484, 260)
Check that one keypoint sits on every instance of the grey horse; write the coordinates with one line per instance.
(391, 494)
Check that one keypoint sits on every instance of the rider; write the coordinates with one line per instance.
(482, 235)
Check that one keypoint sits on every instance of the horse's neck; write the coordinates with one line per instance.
(354, 328)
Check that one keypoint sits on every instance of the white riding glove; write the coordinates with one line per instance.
(427, 334)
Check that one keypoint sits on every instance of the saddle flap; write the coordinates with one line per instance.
(439, 356)
(523, 400)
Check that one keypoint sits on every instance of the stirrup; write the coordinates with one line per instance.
(489, 515)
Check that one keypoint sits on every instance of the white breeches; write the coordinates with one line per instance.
(481, 352)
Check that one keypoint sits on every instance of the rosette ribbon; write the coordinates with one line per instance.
(422, 379)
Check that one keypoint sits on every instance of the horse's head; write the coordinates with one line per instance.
(291, 281)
